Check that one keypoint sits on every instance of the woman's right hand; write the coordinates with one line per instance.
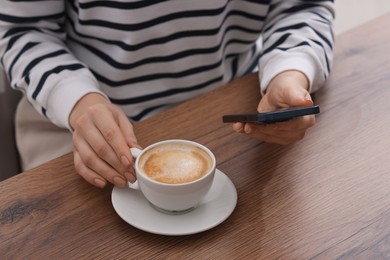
(101, 140)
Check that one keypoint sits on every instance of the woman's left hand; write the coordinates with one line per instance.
(288, 89)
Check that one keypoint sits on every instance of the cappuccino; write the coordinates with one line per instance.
(175, 163)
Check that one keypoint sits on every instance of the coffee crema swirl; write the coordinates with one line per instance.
(175, 163)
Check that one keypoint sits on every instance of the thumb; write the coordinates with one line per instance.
(297, 97)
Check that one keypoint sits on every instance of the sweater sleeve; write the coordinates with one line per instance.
(298, 35)
(36, 60)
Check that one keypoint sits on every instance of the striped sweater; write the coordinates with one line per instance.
(148, 55)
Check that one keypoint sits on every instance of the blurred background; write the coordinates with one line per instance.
(350, 13)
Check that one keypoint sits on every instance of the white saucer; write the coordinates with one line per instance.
(217, 206)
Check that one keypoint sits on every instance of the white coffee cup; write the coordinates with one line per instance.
(174, 175)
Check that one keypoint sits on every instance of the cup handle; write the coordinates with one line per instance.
(135, 152)
(133, 186)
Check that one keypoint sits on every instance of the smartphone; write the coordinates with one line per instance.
(272, 117)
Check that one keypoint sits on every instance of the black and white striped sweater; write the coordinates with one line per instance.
(149, 55)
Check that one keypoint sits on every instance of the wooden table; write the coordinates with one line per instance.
(325, 197)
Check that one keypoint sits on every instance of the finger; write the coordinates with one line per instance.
(265, 105)
(283, 140)
(279, 136)
(238, 127)
(112, 134)
(87, 130)
(270, 138)
(296, 97)
(103, 150)
(296, 124)
(86, 173)
(127, 130)
(285, 94)
(95, 164)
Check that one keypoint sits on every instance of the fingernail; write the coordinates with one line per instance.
(100, 183)
(308, 97)
(248, 129)
(125, 161)
(118, 181)
(130, 177)
(237, 127)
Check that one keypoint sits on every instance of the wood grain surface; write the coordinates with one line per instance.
(325, 197)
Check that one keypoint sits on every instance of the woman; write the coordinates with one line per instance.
(87, 67)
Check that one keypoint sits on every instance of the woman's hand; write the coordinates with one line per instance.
(288, 89)
(101, 139)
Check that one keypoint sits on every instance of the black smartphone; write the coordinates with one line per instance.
(272, 117)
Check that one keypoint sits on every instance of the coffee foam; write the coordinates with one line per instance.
(175, 163)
